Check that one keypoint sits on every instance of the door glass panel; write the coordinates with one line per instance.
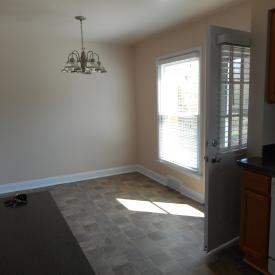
(233, 97)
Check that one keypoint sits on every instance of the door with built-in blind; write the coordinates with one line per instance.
(227, 100)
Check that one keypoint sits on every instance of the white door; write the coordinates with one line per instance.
(228, 65)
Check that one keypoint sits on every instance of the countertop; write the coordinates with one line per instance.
(263, 165)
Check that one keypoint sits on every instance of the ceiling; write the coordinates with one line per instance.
(116, 21)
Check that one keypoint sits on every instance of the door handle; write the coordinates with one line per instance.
(216, 159)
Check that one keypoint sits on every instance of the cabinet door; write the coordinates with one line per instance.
(255, 228)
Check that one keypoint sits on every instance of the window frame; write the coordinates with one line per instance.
(186, 54)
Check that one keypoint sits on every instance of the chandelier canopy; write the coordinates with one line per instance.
(85, 63)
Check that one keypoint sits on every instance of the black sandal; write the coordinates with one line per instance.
(16, 201)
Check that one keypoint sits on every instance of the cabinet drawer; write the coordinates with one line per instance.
(258, 183)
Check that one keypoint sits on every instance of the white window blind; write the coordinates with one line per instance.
(178, 110)
(234, 97)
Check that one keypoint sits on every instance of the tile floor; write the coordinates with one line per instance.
(123, 229)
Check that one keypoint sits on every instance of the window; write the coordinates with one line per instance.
(234, 97)
(179, 110)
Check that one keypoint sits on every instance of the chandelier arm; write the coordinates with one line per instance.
(89, 54)
(96, 56)
(77, 54)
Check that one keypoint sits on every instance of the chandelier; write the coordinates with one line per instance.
(85, 63)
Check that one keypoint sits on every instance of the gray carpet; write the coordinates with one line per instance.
(35, 239)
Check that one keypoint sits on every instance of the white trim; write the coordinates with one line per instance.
(190, 193)
(271, 266)
(179, 186)
(184, 190)
(239, 39)
(183, 170)
(198, 51)
(152, 175)
(224, 245)
(177, 54)
(46, 182)
(188, 54)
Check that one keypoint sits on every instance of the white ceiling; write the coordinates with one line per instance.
(118, 21)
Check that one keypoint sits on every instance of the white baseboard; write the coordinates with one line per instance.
(224, 245)
(196, 196)
(152, 175)
(46, 182)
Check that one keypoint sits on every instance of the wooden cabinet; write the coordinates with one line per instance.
(270, 93)
(255, 218)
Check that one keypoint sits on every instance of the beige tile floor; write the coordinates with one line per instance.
(129, 224)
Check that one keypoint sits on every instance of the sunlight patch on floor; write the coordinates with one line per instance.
(180, 209)
(161, 208)
(141, 206)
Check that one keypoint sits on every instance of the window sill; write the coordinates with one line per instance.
(185, 171)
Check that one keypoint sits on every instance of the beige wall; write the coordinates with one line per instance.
(169, 42)
(55, 124)
(261, 116)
